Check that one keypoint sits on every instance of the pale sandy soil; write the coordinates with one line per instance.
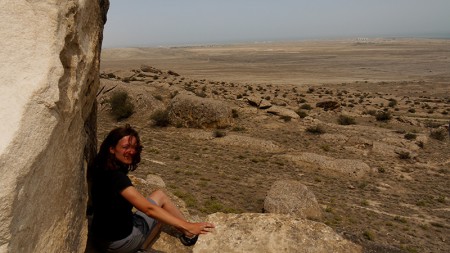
(402, 205)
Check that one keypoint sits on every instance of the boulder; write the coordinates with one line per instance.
(252, 232)
(49, 77)
(292, 197)
(387, 150)
(254, 100)
(265, 104)
(155, 180)
(248, 142)
(282, 111)
(334, 138)
(258, 102)
(352, 168)
(280, 102)
(192, 111)
(149, 69)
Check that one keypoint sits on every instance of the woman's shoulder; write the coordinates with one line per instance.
(113, 178)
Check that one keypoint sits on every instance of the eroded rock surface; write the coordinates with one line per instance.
(197, 112)
(251, 232)
(292, 197)
(48, 82)
(352, 168)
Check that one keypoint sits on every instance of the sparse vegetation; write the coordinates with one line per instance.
(410, 136)
(438, 134)
(369, 235)
(306, 107)
(302, 114)
(218, 133)
(234, 113)
(404, 155)
(383, 116)
(432, 124)
(238, 129)
(317, 129)
(371, 112)
(121, 105)
(392, 102)
(188, 198)
(346, 120)
(160, 118)
(218, 174)
(286, 118)
(213, 205)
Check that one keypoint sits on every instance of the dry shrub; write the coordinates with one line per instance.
(306, 107)
(410, 136)
(160, 118)
(302, 113)
(219, 133)
(121, 105)
(438, 134)
(315, 130)
(346, 120)
(383, 116)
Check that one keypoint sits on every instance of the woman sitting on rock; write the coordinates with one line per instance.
(114, 226)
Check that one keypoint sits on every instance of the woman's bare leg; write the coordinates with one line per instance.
(166, 203)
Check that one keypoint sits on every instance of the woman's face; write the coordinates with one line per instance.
(125, 149)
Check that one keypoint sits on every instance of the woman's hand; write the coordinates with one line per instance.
(198, 228)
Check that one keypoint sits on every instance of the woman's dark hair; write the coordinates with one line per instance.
(107, 161)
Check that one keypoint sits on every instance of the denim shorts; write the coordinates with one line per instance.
(142, 227)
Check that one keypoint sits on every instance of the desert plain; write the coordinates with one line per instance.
(389, 105)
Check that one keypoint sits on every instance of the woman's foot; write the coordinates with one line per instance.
(188, 241)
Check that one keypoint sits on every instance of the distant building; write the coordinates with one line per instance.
(362, 40)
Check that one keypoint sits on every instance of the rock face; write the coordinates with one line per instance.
(192, 111)
(48, 82)
(251, 232)
(292, 197)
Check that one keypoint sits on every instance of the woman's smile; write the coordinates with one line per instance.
(125, 149)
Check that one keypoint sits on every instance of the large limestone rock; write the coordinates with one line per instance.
(197, 112)
(292, 197)
(281, 111)
(48, 82)
(248, 142)
(352, 168)
(264, 233)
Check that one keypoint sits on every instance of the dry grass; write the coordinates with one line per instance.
(402, 205)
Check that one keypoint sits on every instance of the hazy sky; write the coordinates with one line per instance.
(181, 22)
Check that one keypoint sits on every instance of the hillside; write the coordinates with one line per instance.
(375, 153)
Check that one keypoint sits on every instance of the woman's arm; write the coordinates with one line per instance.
(142, 204)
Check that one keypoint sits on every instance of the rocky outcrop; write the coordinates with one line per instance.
(48, 82)
(258, 102)
(352, 168)
(192, 111)
(248, 142)
(292, 197)
(283, 112)
(251, 232)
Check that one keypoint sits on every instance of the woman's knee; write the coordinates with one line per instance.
(159, 197)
